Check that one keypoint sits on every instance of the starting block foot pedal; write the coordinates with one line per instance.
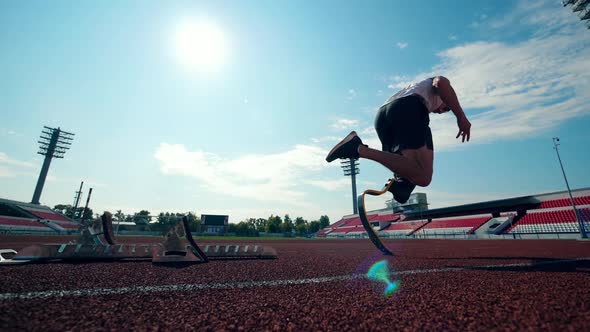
(9, 261)
(165, 257)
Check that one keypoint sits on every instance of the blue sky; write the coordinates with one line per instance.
(245, 131)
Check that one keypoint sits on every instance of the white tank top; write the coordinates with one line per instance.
(424, 89)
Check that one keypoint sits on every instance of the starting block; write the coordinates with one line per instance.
(7, 261)
(178, 247)
(365, 221)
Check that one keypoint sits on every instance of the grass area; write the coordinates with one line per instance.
(236, 238)
(249, 238)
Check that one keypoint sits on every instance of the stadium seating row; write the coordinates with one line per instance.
(49, 215)
(562, 202)
(9, 223)
(26, 217)
(552, 221)
(53, 217)
(560, 221)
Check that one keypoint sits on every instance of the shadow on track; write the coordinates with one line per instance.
(536, 265)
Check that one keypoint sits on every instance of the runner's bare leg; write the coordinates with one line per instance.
(415, 165)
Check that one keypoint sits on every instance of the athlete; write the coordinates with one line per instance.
(402, 125)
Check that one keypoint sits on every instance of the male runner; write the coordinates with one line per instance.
(402, 126)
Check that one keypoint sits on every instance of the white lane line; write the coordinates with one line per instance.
(253, 284)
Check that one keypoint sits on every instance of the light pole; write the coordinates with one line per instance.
(53, 144)
(350, 168)
(578, 219)
(77, 200)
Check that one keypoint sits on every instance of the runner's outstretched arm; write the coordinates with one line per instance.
(449, 97)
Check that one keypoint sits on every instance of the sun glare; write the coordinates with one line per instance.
(200, 45)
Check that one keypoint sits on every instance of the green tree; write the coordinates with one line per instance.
(301, 226)
(300, 221)
(287, 225)
(301, 230)
(251, 223)
(324, 222)
(244, 228)
(274, 224)
(142, 217)
(68, 211)
(314, 226)
(163, 217)
(65, 209)
(162, 223)
(87, 213)
(194, 222)
(260, 224)
(120, 215)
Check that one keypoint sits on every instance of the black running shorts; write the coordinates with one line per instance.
(403, 124)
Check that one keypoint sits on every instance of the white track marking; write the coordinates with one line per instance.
(254, 284)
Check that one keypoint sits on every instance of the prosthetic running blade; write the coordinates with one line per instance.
(365, 221)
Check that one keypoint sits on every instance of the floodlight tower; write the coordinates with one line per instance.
(54, 143)
(77, 200)
(350, 168)
(580, 6)
(578, 219)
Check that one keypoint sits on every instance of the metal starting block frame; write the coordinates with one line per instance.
(174, 250)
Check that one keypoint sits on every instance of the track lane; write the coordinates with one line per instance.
(524, 288)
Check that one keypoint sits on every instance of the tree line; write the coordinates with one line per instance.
(276, 224)
(144, 221)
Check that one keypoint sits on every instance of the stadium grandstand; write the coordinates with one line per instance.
(549, 215)
(20, 217)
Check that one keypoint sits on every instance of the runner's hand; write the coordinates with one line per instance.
(464, 128)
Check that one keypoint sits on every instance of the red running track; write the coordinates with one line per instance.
(445, 285)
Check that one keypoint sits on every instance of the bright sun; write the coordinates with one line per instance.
(200, 45)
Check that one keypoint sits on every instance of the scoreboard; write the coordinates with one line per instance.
(214, 220)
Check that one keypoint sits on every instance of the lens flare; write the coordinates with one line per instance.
(380, 272)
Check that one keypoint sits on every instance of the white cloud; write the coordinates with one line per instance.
(273, 177)
(6, 160)
(351, 94)
(326, 139)
(342, 124)
(402, 45)
(330, 185)
(547, 14)
(399, 82)
(516, 90)
(368, 131)
(10, 167)
(7, 132)
(452, 37)
(5, 172)
(369, 137)
(479, 21)
(88, 183)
